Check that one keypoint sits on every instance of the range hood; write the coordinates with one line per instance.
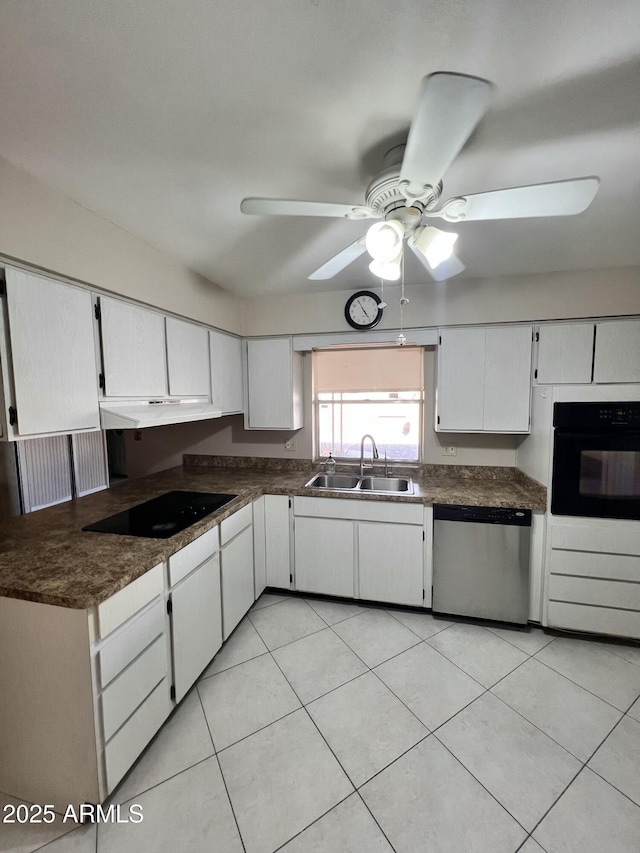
(138, 414)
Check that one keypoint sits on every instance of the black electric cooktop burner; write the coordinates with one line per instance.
(163, 516)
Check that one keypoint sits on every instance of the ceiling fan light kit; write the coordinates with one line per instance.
(384, 240)
(386, 270)
(406, 194)
(435, 245)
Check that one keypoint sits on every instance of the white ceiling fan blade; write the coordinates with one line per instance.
(290, 207)
(338, 262)
(446, 269)
(559, 198)
(449, 108)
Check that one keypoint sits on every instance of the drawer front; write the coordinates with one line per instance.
(131, 687)
(121, 606)
(121, 649)
(595, 591)
(192, 555)
(616, 538)
(231, 526)
(360, 510)
(127, 744)
(600, 620)
(618, 567)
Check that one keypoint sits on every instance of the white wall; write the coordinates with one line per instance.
(559, 295)
(43, 228)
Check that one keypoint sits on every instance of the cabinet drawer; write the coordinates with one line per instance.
(127, 744)
(600, 620)
(615, 567)
(595, 591)
(132, 686)
(117, 609)
(192, 555)
(231, 526)
(127, 644)
(616, 538)
(359, 510)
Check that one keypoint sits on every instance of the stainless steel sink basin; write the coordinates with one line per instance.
(346, 482)
(385, 484)
(333, 481)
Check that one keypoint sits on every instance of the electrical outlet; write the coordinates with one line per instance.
(291, 444)
(449, 450)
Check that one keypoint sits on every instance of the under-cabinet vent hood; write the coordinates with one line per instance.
(144, 413)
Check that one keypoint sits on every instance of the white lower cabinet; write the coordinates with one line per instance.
(592, 576)
(325, 556)
(236, 561)
(277, 540)
(360, 549)
(196, 624)
(390, 564)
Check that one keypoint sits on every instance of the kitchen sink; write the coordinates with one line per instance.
(345, 482)
(333, 481)
(385, 484)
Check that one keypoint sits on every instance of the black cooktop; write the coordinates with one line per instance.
(163, 516)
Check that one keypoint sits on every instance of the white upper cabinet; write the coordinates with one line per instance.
(187, 358)
(617, 355)
(461, 379)
(274, 385)
(484, 379)
(507, 379)
(54, 376)
(227, 391)
(133, 350)
(565, 353)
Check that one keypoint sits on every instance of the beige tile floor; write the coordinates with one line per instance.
(323, 727)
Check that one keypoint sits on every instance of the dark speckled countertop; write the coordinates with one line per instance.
(45, 556)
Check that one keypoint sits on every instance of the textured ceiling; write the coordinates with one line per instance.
(161, 115)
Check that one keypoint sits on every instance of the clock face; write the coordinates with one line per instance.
(362, 310)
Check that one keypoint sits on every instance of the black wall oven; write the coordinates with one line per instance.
(596, 460)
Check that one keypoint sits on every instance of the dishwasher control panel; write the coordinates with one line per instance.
(482, 514)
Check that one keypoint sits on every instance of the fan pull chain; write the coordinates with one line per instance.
(401, 339)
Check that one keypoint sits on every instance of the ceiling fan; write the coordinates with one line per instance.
(405, 195)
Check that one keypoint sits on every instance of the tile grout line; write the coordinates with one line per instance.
(484, 787)
(355, 790)
(544, 663)
(224, 781)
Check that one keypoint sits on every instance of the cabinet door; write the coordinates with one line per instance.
(187, 359)
(133, 350)
(507, 379)
(237, 579)
(53, 353)
(277, 541)
(226, 372)
(565, 352)
(617, 356)
(324, 554)
(460, 399)
(270, 384)
(390, 563)
(196, 624)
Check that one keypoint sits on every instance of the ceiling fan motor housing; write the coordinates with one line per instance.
(385, 198)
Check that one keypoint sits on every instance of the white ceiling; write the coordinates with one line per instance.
(161, 115)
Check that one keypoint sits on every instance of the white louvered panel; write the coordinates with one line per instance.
(45, 471)
(89, 462)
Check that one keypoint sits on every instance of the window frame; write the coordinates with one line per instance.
(316, 402)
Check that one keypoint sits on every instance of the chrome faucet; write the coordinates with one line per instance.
(374, 451)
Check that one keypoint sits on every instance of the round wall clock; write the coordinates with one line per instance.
(363, 310)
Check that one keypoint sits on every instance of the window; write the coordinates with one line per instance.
(376, 391)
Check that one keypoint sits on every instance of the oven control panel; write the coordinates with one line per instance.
(594, 415)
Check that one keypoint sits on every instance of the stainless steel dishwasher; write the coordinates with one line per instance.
(481, 562)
